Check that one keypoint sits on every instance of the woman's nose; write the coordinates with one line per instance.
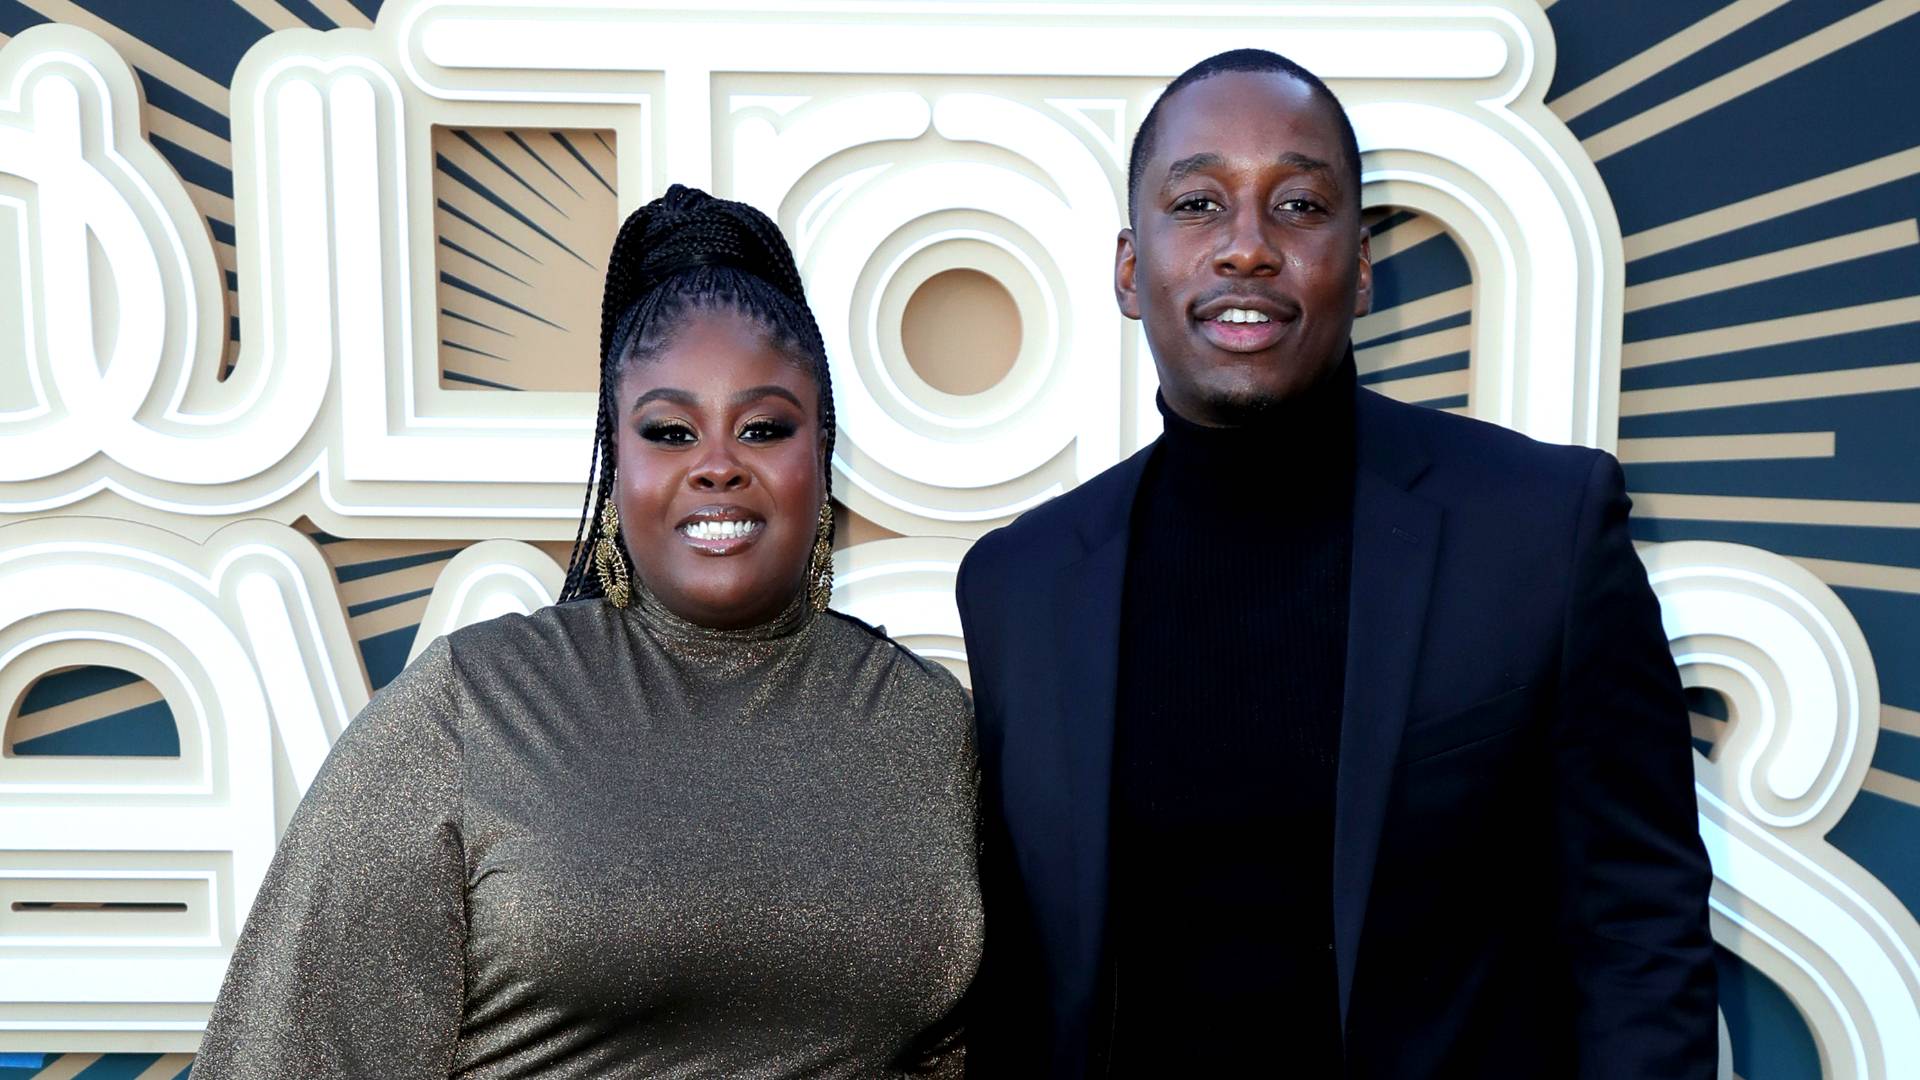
(718, 470)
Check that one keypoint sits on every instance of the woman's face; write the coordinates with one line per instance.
(720, 472)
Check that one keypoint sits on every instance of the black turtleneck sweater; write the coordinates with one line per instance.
(1233, 644)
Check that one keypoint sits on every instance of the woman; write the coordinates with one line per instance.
(685, 823)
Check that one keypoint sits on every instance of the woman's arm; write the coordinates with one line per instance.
(352, 963)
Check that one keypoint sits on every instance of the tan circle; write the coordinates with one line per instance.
(961, 331)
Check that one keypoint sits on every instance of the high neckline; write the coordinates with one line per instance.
(650, 612)
(1310, 437)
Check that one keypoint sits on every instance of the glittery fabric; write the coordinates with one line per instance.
(603, 843)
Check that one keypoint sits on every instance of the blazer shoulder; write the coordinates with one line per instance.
(1097, 507)
(1477, 453)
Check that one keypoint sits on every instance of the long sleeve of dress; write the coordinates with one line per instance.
(352, 961)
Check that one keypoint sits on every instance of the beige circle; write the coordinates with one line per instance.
(961, 331)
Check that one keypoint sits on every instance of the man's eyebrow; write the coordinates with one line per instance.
(1303, 162)
(1206, 159)
(769, 390)
(1191, 164)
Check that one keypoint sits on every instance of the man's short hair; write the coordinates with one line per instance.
(1221, 63)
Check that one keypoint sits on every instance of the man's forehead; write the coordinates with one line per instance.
(1242, 100)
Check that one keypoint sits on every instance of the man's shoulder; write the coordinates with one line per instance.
(1468, 454)
(1100, 505)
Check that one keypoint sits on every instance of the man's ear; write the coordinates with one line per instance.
(1363, 296)
(1124, 293)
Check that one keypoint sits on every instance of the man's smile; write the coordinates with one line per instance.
(1245, 323)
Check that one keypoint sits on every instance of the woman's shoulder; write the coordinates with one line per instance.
(897, 665)
(543, 628)
(552, 638)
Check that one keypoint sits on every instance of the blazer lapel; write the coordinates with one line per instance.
(1087, 610)
(1396, 538)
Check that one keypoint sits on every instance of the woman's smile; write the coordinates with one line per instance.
(721, 530)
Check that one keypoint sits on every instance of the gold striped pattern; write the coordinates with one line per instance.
(524, 219)
(1717, 92)
(1406, 232)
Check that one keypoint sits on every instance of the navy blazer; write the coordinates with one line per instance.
(1519, 885)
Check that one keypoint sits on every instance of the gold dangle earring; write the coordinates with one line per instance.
(820, 566)
(609, 562)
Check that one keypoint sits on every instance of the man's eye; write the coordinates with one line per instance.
(667, 432)
(1196, 204)
(1300, 206)
(765, 430)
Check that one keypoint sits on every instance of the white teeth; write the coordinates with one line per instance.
(1241, 315)
(719, 530)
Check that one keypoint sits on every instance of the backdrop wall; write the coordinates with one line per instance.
(297, 332)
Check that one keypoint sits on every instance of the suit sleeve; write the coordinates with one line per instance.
(1634, 874)
(1005, 1011)
(352, 961)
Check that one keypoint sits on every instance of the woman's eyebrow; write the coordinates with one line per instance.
(769, 390)
(667, 393)
(688, 400)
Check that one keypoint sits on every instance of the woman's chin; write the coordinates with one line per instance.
(733, 603)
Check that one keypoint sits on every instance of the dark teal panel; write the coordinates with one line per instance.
(1771, 1040)
(1836, 352)
(1890, 275)
(1889, 202)
(1876, 442)
(60, 687)
(144, 731)
(386, 654)
(1437, 365)
(1594, 36)
(387, 601)
(1891, 622)
(1889, 547)
(1898, 753)
(1429, 267)
(400, 562)
(117, 1067)
(1835, 112)
(1878, 833)
(1777, 28)
(1448, 323)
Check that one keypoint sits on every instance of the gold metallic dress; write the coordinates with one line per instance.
(602, 843)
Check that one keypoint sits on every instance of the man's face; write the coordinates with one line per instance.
(1247, 261)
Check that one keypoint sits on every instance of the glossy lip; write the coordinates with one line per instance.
(721, 513)
(1245, 337)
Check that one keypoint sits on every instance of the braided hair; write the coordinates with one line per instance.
(688, 252)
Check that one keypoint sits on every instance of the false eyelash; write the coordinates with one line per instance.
(659, 430)
(771, 429)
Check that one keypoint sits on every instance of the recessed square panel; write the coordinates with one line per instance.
(524, 219)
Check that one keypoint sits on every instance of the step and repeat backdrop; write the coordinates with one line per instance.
(298, 311)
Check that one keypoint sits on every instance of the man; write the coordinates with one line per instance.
(1327, 735)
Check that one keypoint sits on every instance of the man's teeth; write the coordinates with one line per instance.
(1241, 315)
(719, 530)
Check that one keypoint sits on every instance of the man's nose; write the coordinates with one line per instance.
(1249, 247)
(718, 470)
